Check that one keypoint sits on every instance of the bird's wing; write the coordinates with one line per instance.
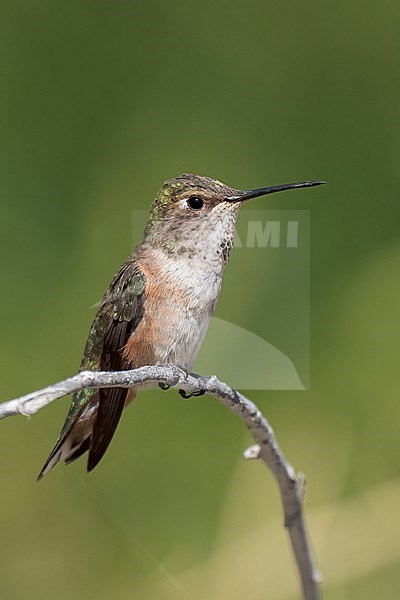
(124, 305)
(120, 312)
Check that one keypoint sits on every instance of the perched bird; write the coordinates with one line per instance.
(158, 306)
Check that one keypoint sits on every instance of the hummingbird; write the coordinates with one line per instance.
(159, 304)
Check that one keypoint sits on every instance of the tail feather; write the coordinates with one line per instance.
(72, 442)
(88, 433)
(78, 451)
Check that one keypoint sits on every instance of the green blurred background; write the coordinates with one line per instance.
(100, 103)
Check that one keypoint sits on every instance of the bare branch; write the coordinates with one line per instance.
(291, 487)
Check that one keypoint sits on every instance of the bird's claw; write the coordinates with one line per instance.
(185, 395)
(164, 386)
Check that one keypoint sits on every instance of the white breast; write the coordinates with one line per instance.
(190, 293)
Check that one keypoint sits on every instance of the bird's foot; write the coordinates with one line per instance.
(164, 386)
(185, 395)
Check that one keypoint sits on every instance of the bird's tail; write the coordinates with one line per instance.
(76, 437)
(73, 440)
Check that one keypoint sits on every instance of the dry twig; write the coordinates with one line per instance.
(266, 448)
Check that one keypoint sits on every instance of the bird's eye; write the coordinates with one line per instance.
(195, 202)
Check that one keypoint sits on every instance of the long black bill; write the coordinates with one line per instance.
(271, 190)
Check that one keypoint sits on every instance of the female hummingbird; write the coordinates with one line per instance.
(158, 306)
